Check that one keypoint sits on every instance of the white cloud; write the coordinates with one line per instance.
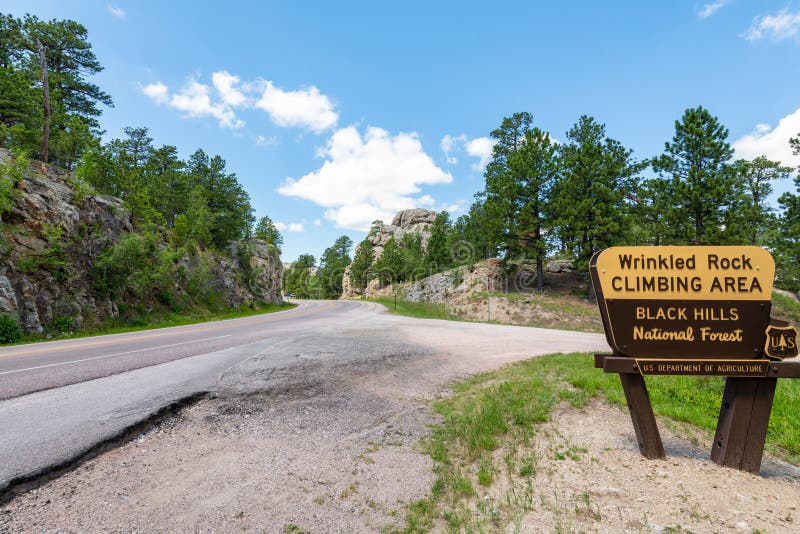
(783, 25)
(158, 92)
(116, 11)
(771, 142)
(267, 141)
(194, 99)
(306, 108)
(450, 144)
(712, 7)
(290, 227)
(367, 177)
(480, 147)
(317, 222)
(225, 83)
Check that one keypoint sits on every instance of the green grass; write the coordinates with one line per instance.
(785, 307)
(555, 302)
(160, 321)
(420, 310)
(502, 409)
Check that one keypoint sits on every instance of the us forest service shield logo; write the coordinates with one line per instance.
(781, 342)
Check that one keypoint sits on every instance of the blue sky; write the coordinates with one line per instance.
(334, 113)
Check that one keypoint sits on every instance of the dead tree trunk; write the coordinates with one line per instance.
(46, 103)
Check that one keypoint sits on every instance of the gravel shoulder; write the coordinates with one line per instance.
(321, 435)
(593, 479)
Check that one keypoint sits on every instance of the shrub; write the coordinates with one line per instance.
(136, 265)
(457, 277)
(12, 172)
(63, 324)
(10, 331)
(52, 259)
(81, 189)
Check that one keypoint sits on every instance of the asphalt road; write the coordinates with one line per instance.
(63, 398)
(29, 368)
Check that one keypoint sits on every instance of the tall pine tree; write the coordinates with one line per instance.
(699, 192)
(437, 255)
(591, 197)
(332, 265)
(361, 268)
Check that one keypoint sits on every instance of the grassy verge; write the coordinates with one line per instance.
(548, 311)
(159, 321)
(489, 425)
(420, 310)
(785, 308)
(521, 309)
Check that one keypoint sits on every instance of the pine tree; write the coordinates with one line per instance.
(437, 254)
(518, 183)
(299, 278)
(361, 268)
(166, 176)
(755, 216)
(536, 166)
(332, 265)
(785, 243)
(195, 224)
(591, 196)
(699, 190)
(390, 266)
(470, 239)
(413, 258)
(69, 59)
(228, 201)
(503, 182)
(267, 231)
(20, 101)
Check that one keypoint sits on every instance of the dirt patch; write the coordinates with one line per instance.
(341, 462)
(590, 477)
(531, 309)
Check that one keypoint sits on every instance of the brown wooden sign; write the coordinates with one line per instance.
(696, 311)
(685, 302)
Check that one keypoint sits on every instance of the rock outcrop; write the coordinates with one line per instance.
(53, 235)
(411, 221)
(461, 281)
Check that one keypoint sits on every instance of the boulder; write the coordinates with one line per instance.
(559, 266)
(411, 217)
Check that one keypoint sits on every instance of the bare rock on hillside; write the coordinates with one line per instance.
(559, 266)
(411, 218)
(465, 280)
(52, 237)
(411, 221)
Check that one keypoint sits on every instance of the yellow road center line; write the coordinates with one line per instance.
(58, 364)
(183, 330)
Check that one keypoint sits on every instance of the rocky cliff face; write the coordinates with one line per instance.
(456, 283)
(411, 221)
(53, 234)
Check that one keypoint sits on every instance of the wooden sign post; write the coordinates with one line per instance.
(696, 311)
